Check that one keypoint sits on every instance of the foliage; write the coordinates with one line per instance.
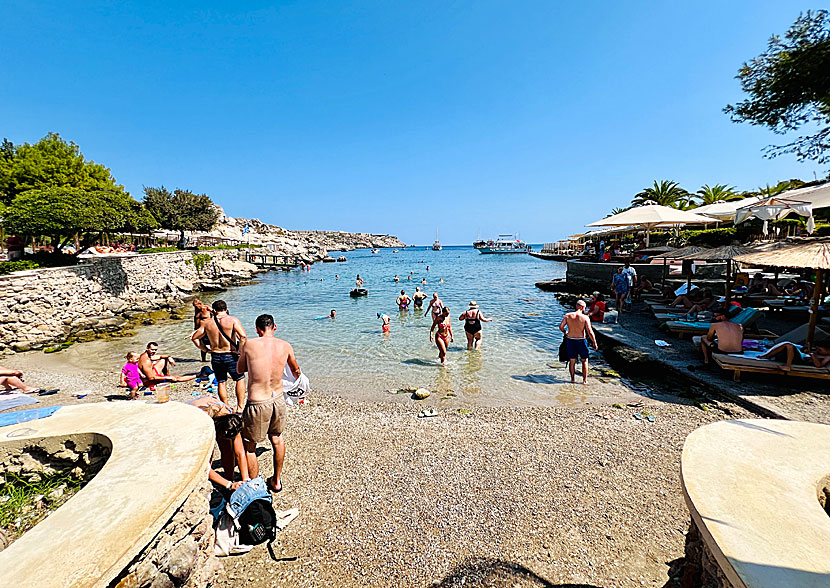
(158, 250)
(181, 210)
(51, 162)
(822, 230)
(61, 213)
(20, 510)
(9, 267)
(717, 193)
(664, 193)
(617, 211)
(710, 237)
(768, 191)
(788, 87)
(200, 260)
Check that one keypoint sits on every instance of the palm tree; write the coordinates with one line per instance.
(616, 211)
(717, 193)
(665, 193)
(770, 191)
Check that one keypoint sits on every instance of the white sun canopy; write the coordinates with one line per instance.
(651, 216)
(802, 201)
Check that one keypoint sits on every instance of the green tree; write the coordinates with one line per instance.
(181, 210)
(789, 87)
(665, 193)
(61, 213)
(51, 162)
(717, 193)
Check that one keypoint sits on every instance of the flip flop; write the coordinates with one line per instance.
(650, 418)
(638, 416)
(37, 391)
(271, 488)
(427, 412)
(47, 392)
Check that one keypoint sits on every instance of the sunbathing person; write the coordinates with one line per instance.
(10, 379)
(723, 337)
(228, 425)
(796, 354)
(155, 369)
(696, 298)
(644, 285)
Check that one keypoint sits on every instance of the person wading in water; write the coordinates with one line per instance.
(576, 325)
(473, 318)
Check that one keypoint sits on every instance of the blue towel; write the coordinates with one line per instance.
(15, 401)
(22, 416)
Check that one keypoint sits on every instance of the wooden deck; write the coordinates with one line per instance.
(272, 261)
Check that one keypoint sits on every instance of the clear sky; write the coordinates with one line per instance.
(398, 117)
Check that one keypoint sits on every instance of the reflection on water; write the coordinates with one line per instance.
(350, 355)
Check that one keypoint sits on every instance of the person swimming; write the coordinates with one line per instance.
(424, 281)
(402, 301)
(332, 314)
(385, 318)
(396, 278)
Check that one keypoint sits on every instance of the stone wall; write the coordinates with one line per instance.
(700, 569)
(181, 555)
(42, 307)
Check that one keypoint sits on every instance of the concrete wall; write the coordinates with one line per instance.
(47, 306)
(591, 275)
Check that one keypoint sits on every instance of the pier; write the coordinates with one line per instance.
(264, 260)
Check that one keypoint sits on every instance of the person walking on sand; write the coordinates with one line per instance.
(576, 325)
(619, 284)
(226, 337)
(444, 333)
(264, 359)
(473, 318)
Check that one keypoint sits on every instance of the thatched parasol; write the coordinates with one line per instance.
(655, 250)
(813, 255)
(725, 253)
(680, 253)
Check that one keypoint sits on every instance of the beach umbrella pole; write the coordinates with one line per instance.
(814, 304)
(728, 279)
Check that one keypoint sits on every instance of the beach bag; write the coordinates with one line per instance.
(227, 540)
(563, 351)
(610, 317)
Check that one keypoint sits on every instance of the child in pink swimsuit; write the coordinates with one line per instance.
(130, 376)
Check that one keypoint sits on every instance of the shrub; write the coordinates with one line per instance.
(710, 237)
(159, 250)
(200, 260)
(9, 267)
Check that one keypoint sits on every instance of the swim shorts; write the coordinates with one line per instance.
(577, 348)
(224, 365)
(263, 417)
(385, 328)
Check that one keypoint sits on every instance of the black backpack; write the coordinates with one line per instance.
(258, 524)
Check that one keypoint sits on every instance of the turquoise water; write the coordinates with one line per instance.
(350, 355)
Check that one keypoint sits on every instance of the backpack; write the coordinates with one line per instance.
(258, 524)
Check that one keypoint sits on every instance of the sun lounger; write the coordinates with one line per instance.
(749, 362)
(746, 317)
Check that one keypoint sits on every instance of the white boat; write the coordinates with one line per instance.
(437, 245)
(504, 244)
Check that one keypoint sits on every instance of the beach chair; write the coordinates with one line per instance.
(749, 362)
(746, 317)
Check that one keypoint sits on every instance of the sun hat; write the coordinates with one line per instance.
(595, 293)
(473, 304)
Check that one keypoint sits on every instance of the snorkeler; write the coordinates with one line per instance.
(402, 301)
(331, 315)
(444, 333)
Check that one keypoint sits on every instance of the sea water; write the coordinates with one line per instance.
(350, 356)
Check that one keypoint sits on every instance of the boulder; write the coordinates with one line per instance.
(183, 285)
(421, 393)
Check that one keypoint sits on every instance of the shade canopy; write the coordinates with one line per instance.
(805, 255)
(719, 253)
(725, 211)
(651, 216)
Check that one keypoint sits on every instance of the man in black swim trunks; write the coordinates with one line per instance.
(226, 337)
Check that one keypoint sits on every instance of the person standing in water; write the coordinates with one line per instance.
(444, 335)
(436, 307)
(418, 298)
(473, 318)
(385, 323)
(358, 281)
(576, 325)
(402, 301)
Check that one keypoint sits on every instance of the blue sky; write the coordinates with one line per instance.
(537, 117)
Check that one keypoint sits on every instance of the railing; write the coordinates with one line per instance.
(265, 260)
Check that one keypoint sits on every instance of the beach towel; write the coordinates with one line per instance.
(295, 389)
(23, 416)
(10, 401)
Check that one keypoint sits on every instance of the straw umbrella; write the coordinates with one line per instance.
(813, 255)
(651, 216)
(678, 254)
(726, 253)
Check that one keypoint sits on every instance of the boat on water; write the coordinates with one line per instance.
(437, 245)
(504, 244)
(375, 250)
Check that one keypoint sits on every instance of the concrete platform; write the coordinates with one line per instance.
(160, 452)
(752, 489)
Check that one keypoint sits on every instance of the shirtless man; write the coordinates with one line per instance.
(155, 368)
(437, 308)
(223, 350)
(576, 325)
(264, 359)
(729, 337)
(201, 313)
(418, 297)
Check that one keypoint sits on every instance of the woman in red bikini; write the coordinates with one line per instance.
(444, 334)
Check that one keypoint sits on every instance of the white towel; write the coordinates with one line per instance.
(295, 389)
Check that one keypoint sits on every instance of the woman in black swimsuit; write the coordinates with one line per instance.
(473, 318)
